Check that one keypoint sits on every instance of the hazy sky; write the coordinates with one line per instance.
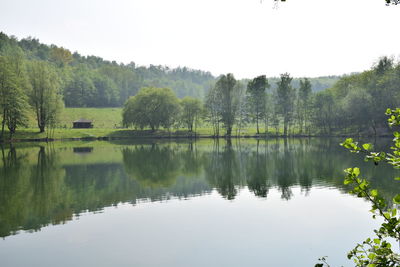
(245, 37)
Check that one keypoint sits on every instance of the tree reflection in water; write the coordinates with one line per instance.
(41, 185)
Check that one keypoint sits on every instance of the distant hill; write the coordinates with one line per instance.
(91, 81)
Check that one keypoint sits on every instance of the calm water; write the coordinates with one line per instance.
(153, 203)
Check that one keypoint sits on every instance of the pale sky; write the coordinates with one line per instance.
(243, 37)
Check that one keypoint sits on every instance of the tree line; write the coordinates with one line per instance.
(38, 80)
(27, 87)
(91, 81)
(354, 105)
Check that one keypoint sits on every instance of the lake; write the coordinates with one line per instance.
(279, 202)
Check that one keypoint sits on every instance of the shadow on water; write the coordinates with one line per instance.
(42, 185)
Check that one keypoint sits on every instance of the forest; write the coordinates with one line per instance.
(41, 80)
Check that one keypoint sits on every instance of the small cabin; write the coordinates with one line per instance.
(83, 150)
(82, 123)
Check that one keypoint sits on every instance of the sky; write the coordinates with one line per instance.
(244, 37)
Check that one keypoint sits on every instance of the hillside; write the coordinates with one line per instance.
(91, 81)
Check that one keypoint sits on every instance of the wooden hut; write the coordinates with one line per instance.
(82, 123)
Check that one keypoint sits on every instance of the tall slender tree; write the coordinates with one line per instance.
(13, 86)
(191, 110)
(227, 89)
(285, 100)
(256, 90)
(212, 109)
(243, 109)
(303, 104)
(45, 95)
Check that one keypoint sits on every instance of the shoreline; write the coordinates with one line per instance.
(180, 136)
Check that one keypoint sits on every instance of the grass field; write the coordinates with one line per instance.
(94, 133)
(106, 118)
(107, 122)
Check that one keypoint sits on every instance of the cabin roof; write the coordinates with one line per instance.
(83, 120)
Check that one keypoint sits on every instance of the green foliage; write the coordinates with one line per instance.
(256, 90)
(213, 109)
(358, 102)
(45, 96)
(285, 100)
(317, 83)
(330, 105)
(60, 56)
(152, 165)
(377, 251)
(94, 82)
(304, 104)
(130, 171)
(191, 110)
(227, 96)
(151, 107)
(324, 111)
(13, 87)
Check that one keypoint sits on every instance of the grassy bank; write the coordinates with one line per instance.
(32, 134)
(107, 124)
(103, 118)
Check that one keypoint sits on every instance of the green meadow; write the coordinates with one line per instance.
(106, 118)
(107, 122)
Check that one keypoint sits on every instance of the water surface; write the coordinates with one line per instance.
(206, 203)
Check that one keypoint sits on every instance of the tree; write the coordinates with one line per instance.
(303, 106)
(269, 108)
(256, 90)
(107, 94)
(384, 64)
(323, 110)
(125, 78)
(285, 100)
(191, 111)
(357, 105)
(60, 56)
(45, 95)
(212, 109)
(80, 90)
(152, 107)
(13, 85)
(227, 90)
(243, 110)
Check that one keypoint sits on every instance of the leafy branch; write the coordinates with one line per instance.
(377, 251)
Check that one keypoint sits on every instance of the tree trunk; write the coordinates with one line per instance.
(41, 128)
(229, 131)
(266, 126)
(3, 124)
(285, 126)
(301, 126)
(258, 130)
